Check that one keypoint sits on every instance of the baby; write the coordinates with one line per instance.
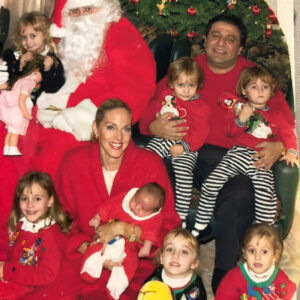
(140, 207)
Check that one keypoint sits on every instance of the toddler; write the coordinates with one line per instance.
(258, 275)
(249, 123)
(178, 263)
(181, 100)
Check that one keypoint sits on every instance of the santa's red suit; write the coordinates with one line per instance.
(128, 74)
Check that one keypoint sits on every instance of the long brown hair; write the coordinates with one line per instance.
(37, 63)
(45, 182)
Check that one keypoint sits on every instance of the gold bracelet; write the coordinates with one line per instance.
(132, 237)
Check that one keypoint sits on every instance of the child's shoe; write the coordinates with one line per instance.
(5, 150)
(13, 151)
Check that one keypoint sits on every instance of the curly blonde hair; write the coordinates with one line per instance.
(39, 22)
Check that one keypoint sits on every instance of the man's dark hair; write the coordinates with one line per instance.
(229, 19)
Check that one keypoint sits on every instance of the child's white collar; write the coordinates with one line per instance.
(175, 282)
(259, 277)
(45, 52)
(125, 206)
(35, 227)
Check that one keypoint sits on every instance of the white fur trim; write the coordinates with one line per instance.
(80, 118)
(56, 31)
(46, 117)
(81, 3)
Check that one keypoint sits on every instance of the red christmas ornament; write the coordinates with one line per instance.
(192, 11)
(191, 34)
(255, 10)
(134, 1)
(273, 17)
(174, 33)
(268, 32)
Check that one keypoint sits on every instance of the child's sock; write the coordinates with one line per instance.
(197, 229)
(183, 223)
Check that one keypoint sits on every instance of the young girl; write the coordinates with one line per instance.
(258, 275)
(36, 239)
(182, 100)
(15, 106)
(177, 262)
(32, 36)
(250, 123)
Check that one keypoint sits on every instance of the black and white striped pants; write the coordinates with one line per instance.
(183, 166)
(236, 161)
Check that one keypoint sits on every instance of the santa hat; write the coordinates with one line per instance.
(56, 29)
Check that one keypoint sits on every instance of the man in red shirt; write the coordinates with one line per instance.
(222, 63)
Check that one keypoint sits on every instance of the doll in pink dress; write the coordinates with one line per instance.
(15, 104)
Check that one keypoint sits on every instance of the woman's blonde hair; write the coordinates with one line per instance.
(186, 235)
(40, 23)
(266, 231)
(45, 182)
(249, 75)
(188, 66)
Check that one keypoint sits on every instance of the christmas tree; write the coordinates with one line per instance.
(188, 18)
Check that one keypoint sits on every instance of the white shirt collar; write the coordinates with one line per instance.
(45, 52)
(175, 282)
(260, 277)
(35, 227)
(125, 206)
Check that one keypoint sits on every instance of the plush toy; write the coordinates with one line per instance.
(168, 105)
(154, 290)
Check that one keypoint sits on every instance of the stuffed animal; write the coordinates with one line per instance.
(168, 105)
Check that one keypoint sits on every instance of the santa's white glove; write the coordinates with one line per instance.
(3, 72)
(60, 123)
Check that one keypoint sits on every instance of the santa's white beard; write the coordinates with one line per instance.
(82, 45)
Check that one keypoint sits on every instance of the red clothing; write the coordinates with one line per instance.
(128, 75)
(33, 261)
(196, 113)
(211, 92)
(150, 227)
(281, 130)
(81, 187)
(234, 286)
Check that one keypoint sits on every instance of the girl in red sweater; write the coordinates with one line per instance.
(36, 238)
(258, 276)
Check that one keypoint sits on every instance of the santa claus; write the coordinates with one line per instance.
(104, 56)
(98, 48)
